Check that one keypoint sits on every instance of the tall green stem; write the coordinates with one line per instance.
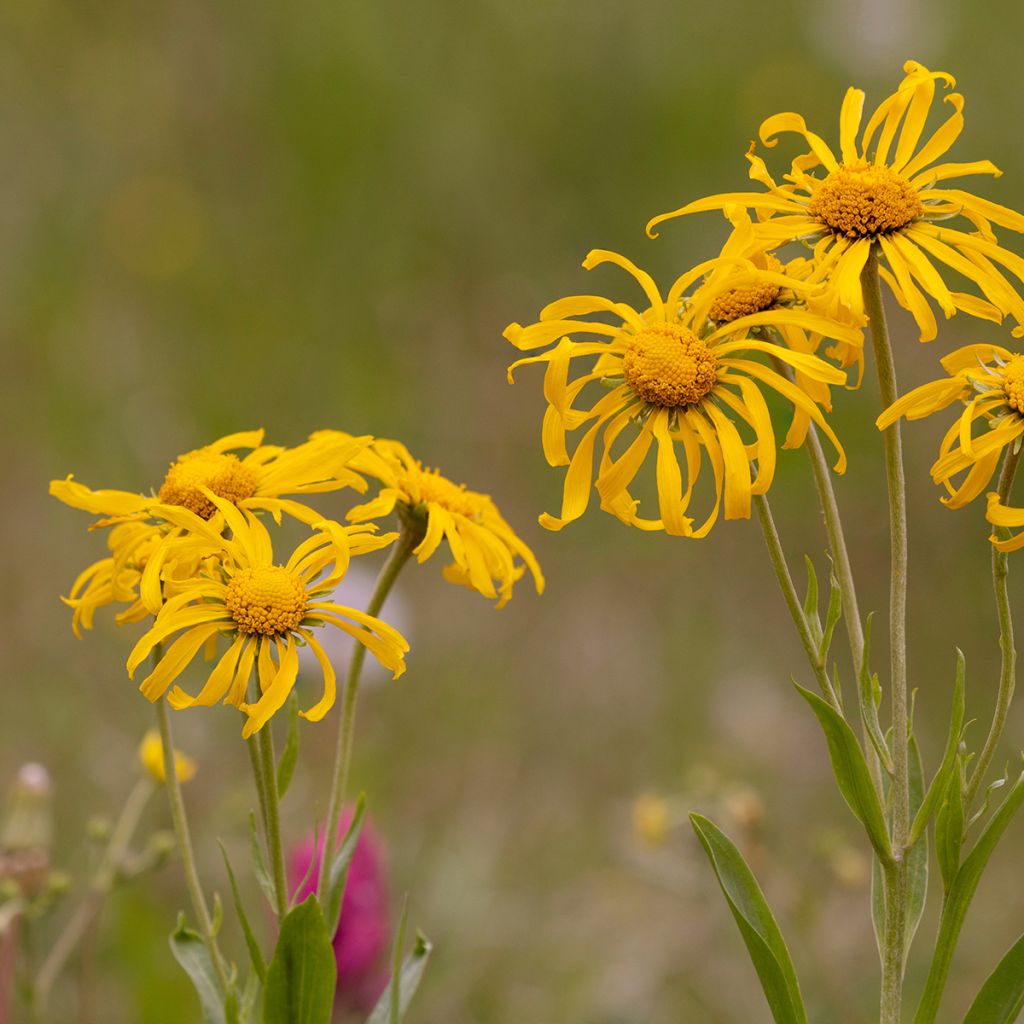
(413, 529)
(1007, 674)
(261, 751)
(184, 838)
(789, 592)
(893, 953)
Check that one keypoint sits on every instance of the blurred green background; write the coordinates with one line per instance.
(313, 214)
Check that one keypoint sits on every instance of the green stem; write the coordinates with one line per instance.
(782, 573)
(893, 953)
(184, 838)
(1007, 674)
(264, 762)
(413, 528)
(102, 883)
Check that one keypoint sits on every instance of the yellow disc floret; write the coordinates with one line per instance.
(668, 365)
(225, 475)
(268, 600)
(863, 200)
(428, 486)
(750, 299)
(1013, 383)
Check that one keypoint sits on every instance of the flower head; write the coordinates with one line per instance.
(151, 757)
(687, 383)
(364, 929)
(488, 556)
(256, 481)
(884, 190)
(989, 382)
(263, 609)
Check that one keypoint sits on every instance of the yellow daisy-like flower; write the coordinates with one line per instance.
(884, 191)
(488, 556)
(264, 610)
(989, 381)
(255, 482)
(151, 757)
(684, 379)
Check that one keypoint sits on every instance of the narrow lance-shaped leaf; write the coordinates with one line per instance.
(958, 899)
(868, 689)
(290, 754)
(1001, 998)
(259, 862)
(757, 926)
(851, 772)
(949, 826)
(937, 788)
(405, 977)
(337, 874)
(255, 954)
(832, 616)
(302, 974)
(917, 858)
(192, 953)
(811, 602)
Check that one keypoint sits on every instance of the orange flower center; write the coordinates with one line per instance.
(863, 200)
(668, 365)
(223, 474)
(268, 600)
(1013, 383)
(752, 298)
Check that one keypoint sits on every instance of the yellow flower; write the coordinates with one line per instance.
(151, 756)
(883, 191)
(255, 482)
(651, 819)
(263, 609)
(485, 549)
(989, 381)
(683, 380)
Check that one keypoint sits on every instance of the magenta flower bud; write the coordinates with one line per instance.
(364, 930)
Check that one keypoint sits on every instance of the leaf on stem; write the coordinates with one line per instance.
(193, 955)
(870, 695)
(302, 974)
(917, 857)
(851, 772)
(811, 603)
(337, 875)
(1001, 998)
(259, 862)
(255, 954)
(832, 617)
(405, 977)
(290, 754)
(949, 826)
(757, 926)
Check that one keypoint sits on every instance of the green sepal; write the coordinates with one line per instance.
(851, 772)
(757, 926)
(302, 974)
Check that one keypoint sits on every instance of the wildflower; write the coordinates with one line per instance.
(884, 191)
(676, 375)
(363, 935)
(651, 819)
(489, 557)
(264, 610)
(151, 757)
(989, 381)
(255, 482)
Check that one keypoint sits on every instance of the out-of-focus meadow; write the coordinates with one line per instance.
(318, 214)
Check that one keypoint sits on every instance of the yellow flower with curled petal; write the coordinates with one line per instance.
(264, 610)
(884, 191)
(488, 556)
(151, 756)
(989, 381)
(688, 384)
(257, 481)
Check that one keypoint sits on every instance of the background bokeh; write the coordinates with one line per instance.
(216, 217)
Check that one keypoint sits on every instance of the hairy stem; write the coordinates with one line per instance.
(265, 764)
(893, 954)
(412, 532)
(1008, 673)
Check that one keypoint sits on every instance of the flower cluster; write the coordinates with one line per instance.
(197, 558)
(685, 373)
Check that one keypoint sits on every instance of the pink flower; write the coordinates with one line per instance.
(363, 936)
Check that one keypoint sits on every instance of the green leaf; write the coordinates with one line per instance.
(851, 772)
(259, 862)
(302, 974)
(338, 873)
(937, 788)
(949, 826)
(811, 601)
(917, 858)
(757, 926)
(191, 952)
(255, 954)
(832, 616)
(958, 899)
(405, 978)
(1001, 998)
(869, 690)
(290, 754)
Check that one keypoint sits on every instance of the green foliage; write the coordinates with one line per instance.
(851, 772)
(255, 954)
(290, 754)
(194, 957)
(405, 977)
(1001, 998)
(949, 825)
(917, 856)
(754, 918)
(301, 977)
(259, 862)
(337, 875)
(870, 692)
